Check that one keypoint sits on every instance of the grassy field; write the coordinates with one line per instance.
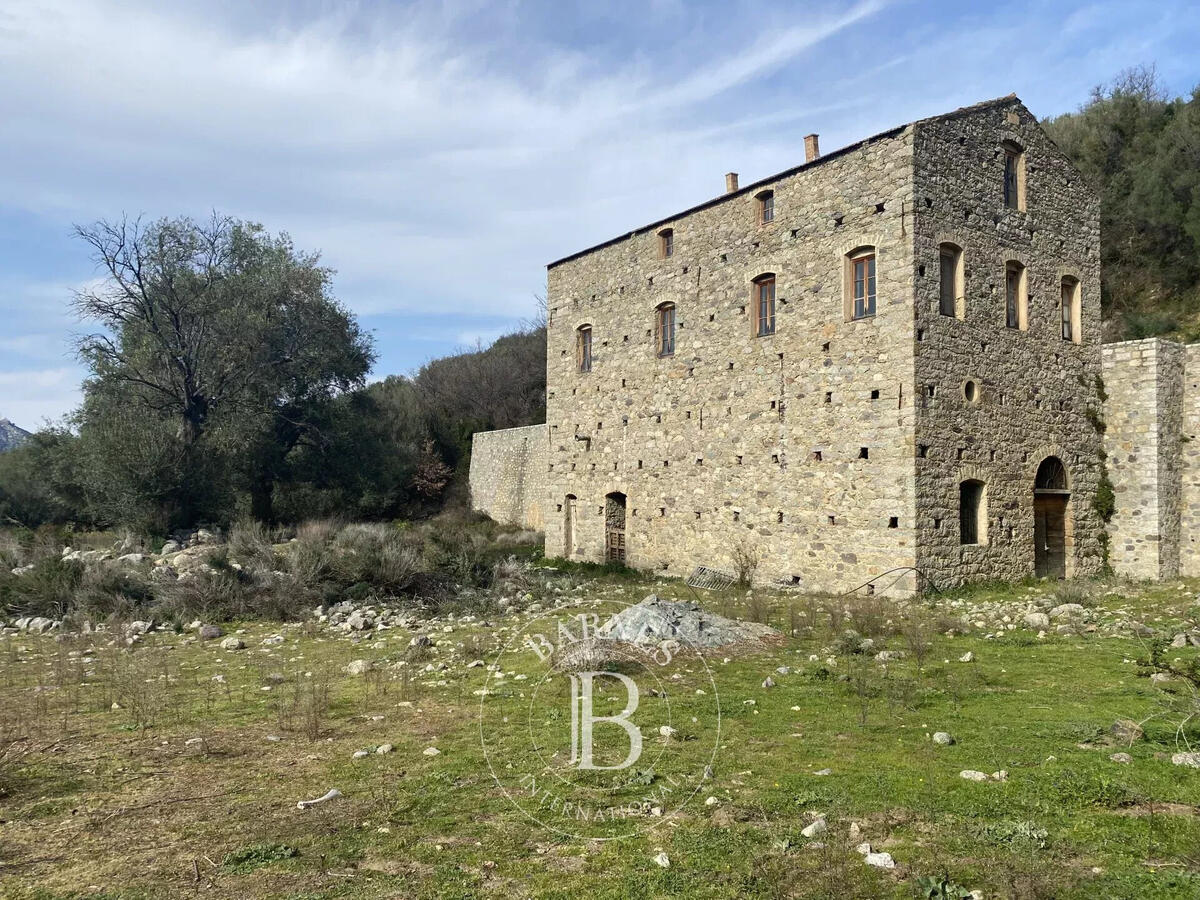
(173, 769)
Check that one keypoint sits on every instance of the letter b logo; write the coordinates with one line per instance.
(582, 720)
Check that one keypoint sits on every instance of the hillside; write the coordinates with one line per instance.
(11, 436)
(1142, 152)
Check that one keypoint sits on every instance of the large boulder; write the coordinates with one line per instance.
(655, 620)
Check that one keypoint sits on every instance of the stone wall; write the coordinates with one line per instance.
(1035, 393)
(833, 450)
(1145, 417)
(795, 447)
(508, 475)
(1189, 459)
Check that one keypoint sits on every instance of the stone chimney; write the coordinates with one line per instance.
(812, 147)
(730, 182)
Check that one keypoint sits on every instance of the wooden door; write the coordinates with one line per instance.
(614, 527)
(1050, 535)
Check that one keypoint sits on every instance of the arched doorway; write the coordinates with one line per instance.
(569, 514)
(1051, 519)
(614, 527)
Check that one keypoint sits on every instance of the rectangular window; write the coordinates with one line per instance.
(864, 286)
(948, 305)
(666, 330)
(971, 513)
(1072, 309)
(583, 349)
(1014, 177)
(667, 242)
(767, 207)
(765, 306)
(1012, 296)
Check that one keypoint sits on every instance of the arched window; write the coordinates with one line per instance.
(1072, 309)
(763, 298)
(1016, 296)
(1014, 175)
(766, 207)
(1051, 475)
(583, 348)
(860, 283)
(972, 512)
(664, 327)
(952, 300)
(666, 242)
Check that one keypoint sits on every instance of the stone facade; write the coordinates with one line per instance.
(508, 475)
(1153, 418)
(838, 450)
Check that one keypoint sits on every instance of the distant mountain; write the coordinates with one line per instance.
(11, 436)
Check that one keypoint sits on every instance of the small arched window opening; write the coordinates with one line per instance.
(666, 243)
(1072, 309)
(664, 328)
(952, 299)
(1051, 475)
(583, 348)
(1016, 296)
(860, 283)
(1014, 175)
(972, 512)
(766, 207)
(763, 298)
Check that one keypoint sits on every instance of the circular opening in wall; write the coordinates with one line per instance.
(970, 391)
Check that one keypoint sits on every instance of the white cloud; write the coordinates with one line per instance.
(405, 153)
(31, 398)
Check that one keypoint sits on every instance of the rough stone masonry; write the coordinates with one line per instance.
(880, 368)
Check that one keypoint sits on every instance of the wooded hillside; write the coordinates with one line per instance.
(1141, 150)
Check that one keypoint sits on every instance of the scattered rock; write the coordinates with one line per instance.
(943, 738)
(1179, 641)
(170, 547)
(880, 860)
(1123, 758)
(209, 632)
(1037, 620)
(769, 682)
(1068, 610)
(359, 754)
(654, 621)
(1191, 760)
(661, 859)
(359, 667)
(972, 775)
(890, 655)
(967, 657)
(384, 748)
(823, 772)
(817, 827)
(431, 751)
(233, 643)
(1126, 731)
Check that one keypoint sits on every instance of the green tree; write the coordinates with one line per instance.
(1142, 152)
(220, 351)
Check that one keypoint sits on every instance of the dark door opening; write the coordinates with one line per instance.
(1051, 522)
(614, 527)
(569, 518)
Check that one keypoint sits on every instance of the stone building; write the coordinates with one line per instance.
(882, 365)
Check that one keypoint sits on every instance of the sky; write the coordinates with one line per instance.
(439, 155)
